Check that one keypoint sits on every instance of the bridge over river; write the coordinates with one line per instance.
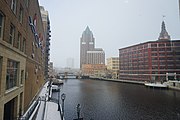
(68, 75)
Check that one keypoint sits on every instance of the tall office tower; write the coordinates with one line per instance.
(86, 44)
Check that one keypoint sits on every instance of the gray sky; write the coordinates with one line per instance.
(114, 23)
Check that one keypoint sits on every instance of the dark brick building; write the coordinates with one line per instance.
(22, 56)
(151, 61)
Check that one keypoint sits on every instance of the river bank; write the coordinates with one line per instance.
(174, 85)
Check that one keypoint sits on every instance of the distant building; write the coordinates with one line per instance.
(96, 56)
(88, 53)
(70, 63)
(46, 42)
(86, 44)
(151, 61)
(97, 70)
(113, 66)
(51, 69)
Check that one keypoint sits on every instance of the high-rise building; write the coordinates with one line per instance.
(151, 61)
(86, 44)
(46, 42)
(88, 53)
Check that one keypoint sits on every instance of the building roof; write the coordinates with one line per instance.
(157, 41)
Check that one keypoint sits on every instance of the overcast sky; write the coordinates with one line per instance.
(115, 24)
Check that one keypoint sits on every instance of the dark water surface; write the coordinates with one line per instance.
(104, 100)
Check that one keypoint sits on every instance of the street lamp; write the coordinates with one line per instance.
(63, 96)
(58, 98)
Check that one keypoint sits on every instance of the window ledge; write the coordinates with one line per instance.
(11, 89)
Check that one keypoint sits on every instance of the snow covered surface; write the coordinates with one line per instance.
(52, 112)
(156, 85)
(51, 108)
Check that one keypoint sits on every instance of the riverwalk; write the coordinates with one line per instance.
(174, 85)
(43, 108)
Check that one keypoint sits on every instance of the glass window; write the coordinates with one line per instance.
(1, 25)
(24, 45)
(0, 72)
(19, 41)
(27, 3)
(11, 74)
(21, 14)
(13, 6)
(11, 34)
(22, 76)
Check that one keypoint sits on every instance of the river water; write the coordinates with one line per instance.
(105, 100)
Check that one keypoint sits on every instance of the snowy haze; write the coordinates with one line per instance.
(114, 23)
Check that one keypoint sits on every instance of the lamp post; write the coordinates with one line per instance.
(58, 98)
(63, 96)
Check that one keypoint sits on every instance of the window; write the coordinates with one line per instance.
(27, 3)
(0, 72)
(1, 25)
(13, 5)
(22, 76)
(21, 14)
(19, 41)
(11, 34)
(11, 74)
(24, 45)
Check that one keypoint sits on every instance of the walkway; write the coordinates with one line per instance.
(43, 108)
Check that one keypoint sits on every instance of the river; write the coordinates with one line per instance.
(106, 100)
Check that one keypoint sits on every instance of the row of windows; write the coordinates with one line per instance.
(13, 7)
(154, 47)
(19, 43)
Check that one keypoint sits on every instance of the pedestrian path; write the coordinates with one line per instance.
(43, 108)
(48, 110)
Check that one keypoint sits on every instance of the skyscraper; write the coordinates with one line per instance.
(88, 53)
(87, 44)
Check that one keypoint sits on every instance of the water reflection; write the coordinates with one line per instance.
(102, 100)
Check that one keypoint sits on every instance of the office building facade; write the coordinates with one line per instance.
(88, 53)
(86, 44)
(113, 66)
(96, 56)
(97, 70)
(46, 42)
(151, 61)
(21, 56)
